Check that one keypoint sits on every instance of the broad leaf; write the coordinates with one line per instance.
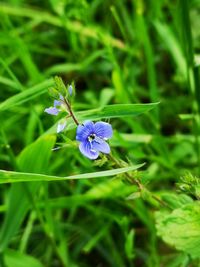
(16, 259)
(181, 228)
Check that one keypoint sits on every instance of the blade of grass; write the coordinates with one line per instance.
(172, 44)
(17, 259)
(96, 33)
(15, 80)
(21, 49)
(10, 83)
(148, 49)
(80, 66)
(193, 71)
(31, 159)
(26, 95)
(15, 177)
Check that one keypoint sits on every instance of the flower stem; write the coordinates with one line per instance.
(70, 111)
(136, 181)
(118, 164)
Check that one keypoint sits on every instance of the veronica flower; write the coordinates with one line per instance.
(54, 111)
(61, 126)
(92, 138)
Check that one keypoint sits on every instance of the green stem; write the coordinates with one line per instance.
(49, 235)
(135, 180)
(192, 70)
(2, 262)
(70, 111)
(10, 151)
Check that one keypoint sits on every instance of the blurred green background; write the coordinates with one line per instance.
(117, 52)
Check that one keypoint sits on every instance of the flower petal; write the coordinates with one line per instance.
(61, 97)
(103, 129)
(85, 148)
(56, 103)
(101, 146)
(52, 111)
(61, 126)
(70, 90)
(83, 131)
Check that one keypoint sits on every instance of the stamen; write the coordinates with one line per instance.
(91, 137)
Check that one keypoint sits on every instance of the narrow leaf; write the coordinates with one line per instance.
(31, 159)
(15, 177)
(107, 112)
(26, 95)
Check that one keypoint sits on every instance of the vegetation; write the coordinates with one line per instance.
(134, 65)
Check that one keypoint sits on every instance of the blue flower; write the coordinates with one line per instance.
(92, 138)
(53, 110)
(61, 126)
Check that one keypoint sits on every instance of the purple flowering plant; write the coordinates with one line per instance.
(92, 136)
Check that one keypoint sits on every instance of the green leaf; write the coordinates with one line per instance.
(16, 259)
(173, 45)
(116, 111)
(129, 244)
(181, 228)
(19, 199)
(111, 188)
(174, 200)
(96, 33)
(60, 86)
(107, 112)
(32, 160)
(15, 177)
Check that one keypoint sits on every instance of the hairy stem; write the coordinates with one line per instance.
(136, 181)
(70, 111)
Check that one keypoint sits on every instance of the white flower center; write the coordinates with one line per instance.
(91, 137)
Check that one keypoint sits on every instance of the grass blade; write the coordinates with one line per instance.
(17, 259)
(31, 159)
(15, 177)
(26, 95)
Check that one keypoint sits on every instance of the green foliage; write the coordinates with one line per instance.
(17, 259)
(134, 64)
(25, 96)
(129, 245)
(21, 195)
(180, 228)
(190, 184)
(107, 112)
(15, 177)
